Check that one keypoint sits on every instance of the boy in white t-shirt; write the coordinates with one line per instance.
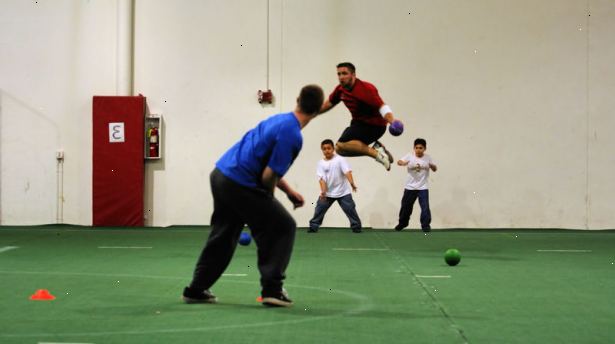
(418, 164)
(335, 179)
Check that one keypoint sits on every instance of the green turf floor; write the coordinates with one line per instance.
(381, 286)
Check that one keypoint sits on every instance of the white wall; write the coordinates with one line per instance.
(54, 56)
(514, 99)
(601, 115)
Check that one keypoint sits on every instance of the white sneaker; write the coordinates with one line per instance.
(380, 147)
(384, 160)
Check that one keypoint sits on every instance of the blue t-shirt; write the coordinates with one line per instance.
(275, 142)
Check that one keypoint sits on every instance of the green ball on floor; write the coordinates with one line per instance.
(452, 256)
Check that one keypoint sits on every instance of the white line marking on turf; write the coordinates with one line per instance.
(433, 276)
(573, 251)
(97, 275)
(360, 249)
(235, 275)
(7, 248)
(61, 343)
(126, 247)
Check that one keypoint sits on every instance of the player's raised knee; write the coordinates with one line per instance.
(340, 148)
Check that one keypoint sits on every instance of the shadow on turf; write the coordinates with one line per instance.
(466, 255)
(493, 258)
(298, 310)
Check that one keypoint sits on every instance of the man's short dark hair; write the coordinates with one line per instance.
(348, 65)
(420, 141)
(327, 142)
(311, 99)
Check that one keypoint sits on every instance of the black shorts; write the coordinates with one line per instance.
(363, 132)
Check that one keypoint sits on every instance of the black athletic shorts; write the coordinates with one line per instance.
(363, 132)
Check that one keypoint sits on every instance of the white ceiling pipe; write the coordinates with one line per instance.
(125, 51)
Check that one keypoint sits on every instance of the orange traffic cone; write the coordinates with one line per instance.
(259, 299)
(42, 295)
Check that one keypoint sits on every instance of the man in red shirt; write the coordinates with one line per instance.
(370, 116)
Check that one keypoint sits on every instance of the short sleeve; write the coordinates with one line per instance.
(406, 157)
(320, 171)
(335, 96)
(372, 98)
(283, 154)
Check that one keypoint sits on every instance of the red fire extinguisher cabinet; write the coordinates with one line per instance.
(118, 165)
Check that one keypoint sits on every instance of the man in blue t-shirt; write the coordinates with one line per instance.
(242, 185)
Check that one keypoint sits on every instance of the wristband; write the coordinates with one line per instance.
(384, 109)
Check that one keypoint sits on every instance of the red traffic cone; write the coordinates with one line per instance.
(42, 295)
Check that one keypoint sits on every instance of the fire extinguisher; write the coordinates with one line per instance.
(152, 133)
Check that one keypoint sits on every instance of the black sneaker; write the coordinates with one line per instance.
(357, 230)
(426, 229)
(312, 230)
(399, 227)
(278, 300)
(205, 296)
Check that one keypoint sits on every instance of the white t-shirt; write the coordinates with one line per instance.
(418, 171)
(332, 172)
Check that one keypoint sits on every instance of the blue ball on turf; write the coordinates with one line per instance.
(396, 128)
(245, 239)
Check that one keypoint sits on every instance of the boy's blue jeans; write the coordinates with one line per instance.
(348, 206)
(407, 203)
